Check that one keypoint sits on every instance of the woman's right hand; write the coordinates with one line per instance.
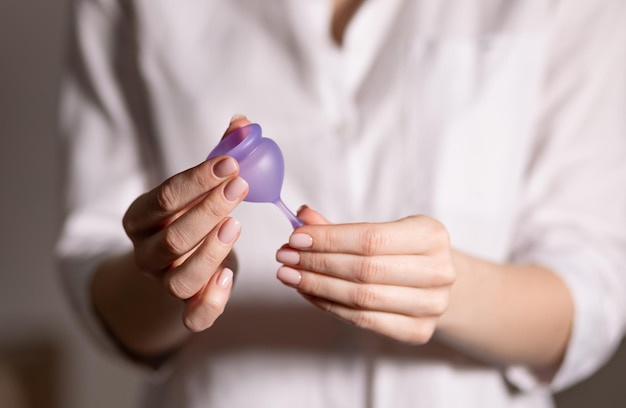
(182, 235)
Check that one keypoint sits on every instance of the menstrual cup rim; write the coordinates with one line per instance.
(224, 146)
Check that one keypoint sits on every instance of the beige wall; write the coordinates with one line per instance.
(40, 344)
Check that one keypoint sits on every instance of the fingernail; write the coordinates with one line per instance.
(302, 208)
(289, 276)
(235, 188)
(225, 167)
(229, 230)
(237, 116)
(300, 241)
(288, 256)
(225, 278)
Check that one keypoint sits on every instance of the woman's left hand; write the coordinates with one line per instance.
(392, 278)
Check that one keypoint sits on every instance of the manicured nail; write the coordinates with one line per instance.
(235, 188)
(225, 278)
(289, 276)
(237, 116)
(300, 241)
(225, 167)
(288, 256)
(229, 230)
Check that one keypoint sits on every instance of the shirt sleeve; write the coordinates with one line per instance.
(574, 217)
(105, 164)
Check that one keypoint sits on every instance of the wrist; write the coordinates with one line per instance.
(136, 311)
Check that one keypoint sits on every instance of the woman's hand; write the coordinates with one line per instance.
(183, 236)
(392, 278)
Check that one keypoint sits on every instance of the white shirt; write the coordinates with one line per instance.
(502, 119)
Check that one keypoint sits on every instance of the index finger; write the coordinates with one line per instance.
(158, 206)
(410, 235)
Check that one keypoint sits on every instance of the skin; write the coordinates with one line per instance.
(401, 279)
(175, 231)
(343, 11)
(182, 264)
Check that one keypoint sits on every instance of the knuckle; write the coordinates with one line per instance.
(447, 274)
(214, 209)
(213, 306)
(364, 297)
(420, 332)
(439, 234)
(166, 197)
(418, 221)
(442, 237)
(204, 180)
(129, 225)
(372, 240)
(178, 287)
(204, 314)
(364, 320)
(439, 303)
(441, 271)
(173, 241)
(209, 258)
(315, 262)
(368, 270)
(309, 284)
(195, 323)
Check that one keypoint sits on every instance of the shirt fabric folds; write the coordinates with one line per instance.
(502, 119)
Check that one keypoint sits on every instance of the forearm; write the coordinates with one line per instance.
(136, 309)
(508, 314)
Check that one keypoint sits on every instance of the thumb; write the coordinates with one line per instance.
(236, 122)
(310, 216)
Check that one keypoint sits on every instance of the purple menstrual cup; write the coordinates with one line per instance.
(261, 164)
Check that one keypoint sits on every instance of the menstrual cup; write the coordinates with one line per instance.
(261, 164)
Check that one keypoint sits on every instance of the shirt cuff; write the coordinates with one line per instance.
(597, 327)
(78, 274)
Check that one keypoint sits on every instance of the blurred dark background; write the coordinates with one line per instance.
(45, 360)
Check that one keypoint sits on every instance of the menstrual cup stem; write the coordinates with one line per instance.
(295, 221)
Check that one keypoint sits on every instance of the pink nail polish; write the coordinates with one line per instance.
(225, 278)
(300, 241)
(289, 276)
(288, 256)
(229, 230)
(235, 188)
(237, 116)
(225, 167)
